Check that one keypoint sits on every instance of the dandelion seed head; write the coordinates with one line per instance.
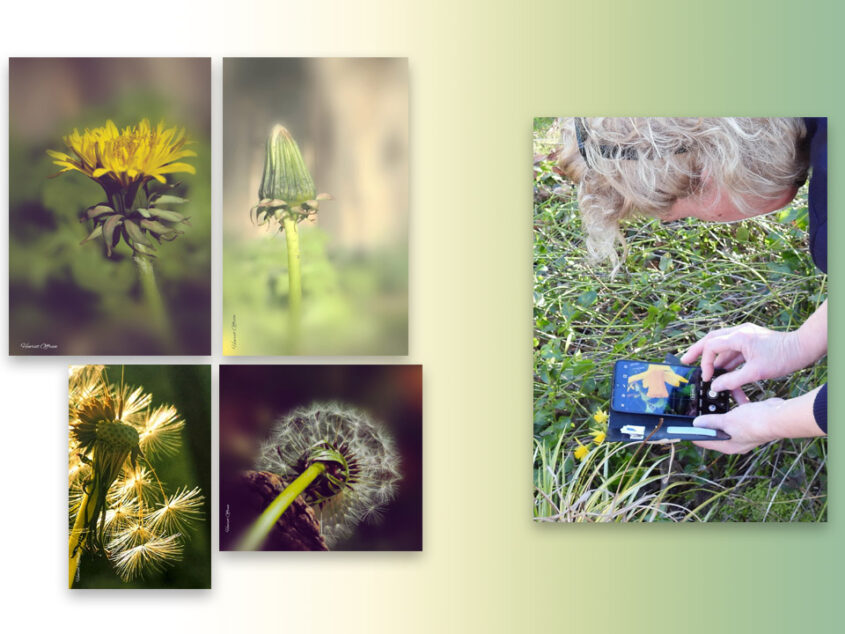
(353, 489)
(115, 439)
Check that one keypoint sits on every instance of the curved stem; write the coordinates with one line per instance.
(294, 277)
(261, 527)
(77, 536)
(158, 312)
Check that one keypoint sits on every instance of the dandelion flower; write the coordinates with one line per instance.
(117, 158)
(581, 451)
(117, 504)
(600, 416)
(131, 165)
(355, 464)
(598, 436)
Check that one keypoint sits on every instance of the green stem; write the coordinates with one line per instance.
(294, 277)
(262, 526)
(158, 312)
(77, 536)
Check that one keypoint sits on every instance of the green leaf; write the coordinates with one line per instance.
(587, 298)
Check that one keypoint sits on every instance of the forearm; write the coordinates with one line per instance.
(811, 338)
(794, 418)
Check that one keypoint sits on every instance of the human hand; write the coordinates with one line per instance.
(752, 424)
(749, 425)
(762, 353)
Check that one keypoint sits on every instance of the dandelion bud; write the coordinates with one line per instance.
(286, 176)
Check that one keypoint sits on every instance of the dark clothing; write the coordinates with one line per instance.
(817, 202)
(820, 408)
(817, 208)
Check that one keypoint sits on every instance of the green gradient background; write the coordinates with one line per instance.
(479, 72)
(719, 58)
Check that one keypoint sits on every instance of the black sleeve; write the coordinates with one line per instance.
(820, 408)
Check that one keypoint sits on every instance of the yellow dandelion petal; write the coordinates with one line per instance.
(581, 452)
(135, 154)
(600, 416)
(58, 155)
(176, 167)
(598, 437)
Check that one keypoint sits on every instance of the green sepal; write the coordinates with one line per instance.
(167, 199)
(96, 211)
(135, 234)
(169, 216)
(98, 230)
(154, 226)
(144, 249)
(285, 176)
(109, 237)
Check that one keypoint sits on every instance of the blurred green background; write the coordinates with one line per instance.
(74, 296)
(188, 389)
(350, 119)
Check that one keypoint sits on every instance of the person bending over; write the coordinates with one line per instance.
(718, 170)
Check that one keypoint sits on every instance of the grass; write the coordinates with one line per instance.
(680, 280)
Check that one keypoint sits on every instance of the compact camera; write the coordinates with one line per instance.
(657, 402)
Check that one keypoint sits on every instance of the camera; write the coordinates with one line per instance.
(657, 402)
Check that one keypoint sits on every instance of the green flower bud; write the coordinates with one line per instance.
(286, 176)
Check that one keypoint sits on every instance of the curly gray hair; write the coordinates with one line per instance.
(627, 165)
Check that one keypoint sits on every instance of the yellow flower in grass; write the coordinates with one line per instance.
(120, 158)
(581, 451)
(600, 416)
(598, 436)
